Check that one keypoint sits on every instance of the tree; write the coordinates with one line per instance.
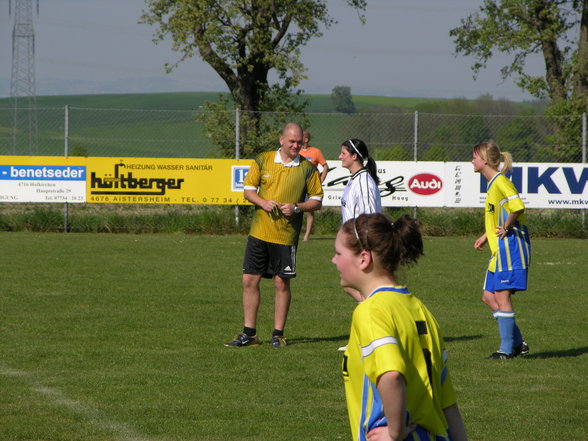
(342, 101)
(555, 29)
(244, 41)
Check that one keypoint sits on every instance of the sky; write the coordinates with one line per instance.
(403, 50)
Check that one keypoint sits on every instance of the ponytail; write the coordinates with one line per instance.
(490, 153)
(395, 243)
(359, 148)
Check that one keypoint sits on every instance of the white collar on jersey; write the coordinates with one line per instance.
(294, 163)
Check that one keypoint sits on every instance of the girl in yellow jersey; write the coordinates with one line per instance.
(396, 379)
(508, 238)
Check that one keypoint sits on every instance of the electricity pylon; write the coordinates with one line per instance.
(22, 81)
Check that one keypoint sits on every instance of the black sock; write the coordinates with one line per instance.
(249, 331)
(278, 332)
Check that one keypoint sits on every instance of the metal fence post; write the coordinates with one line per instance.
(237, 153)
(415, 134)
(66, 154)
(583, 211)
(415, 147)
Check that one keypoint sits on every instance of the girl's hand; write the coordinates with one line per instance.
(382, 434)
(501, 232)
(480, 242)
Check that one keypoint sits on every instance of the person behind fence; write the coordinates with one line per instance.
(315, 156)
(397, 383)
(277, 184)
(510, 247)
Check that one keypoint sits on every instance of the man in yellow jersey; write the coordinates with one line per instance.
(277, 184)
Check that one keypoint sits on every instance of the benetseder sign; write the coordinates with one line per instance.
(220, 182)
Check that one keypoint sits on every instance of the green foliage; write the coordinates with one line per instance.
(567, 140)
(342, 100)
(521, 28)
(222, 219)
(244, 43)
(393, 153)
(435, 153)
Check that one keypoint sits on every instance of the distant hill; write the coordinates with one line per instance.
(318, 103)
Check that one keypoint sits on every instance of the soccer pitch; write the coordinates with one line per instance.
(120, 337)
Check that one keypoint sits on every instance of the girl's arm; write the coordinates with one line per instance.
(392, 390)
(455, 423)
(502, 230)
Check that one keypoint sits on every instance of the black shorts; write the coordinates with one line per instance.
(269, 259)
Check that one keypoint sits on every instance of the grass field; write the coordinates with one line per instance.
(119, 337)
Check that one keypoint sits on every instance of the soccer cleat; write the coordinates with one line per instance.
(522, 349)
(342, 348)
(279, 341)
(499, 355)
(244, 340)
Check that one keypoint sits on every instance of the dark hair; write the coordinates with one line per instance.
(359, 148)
(395, 243)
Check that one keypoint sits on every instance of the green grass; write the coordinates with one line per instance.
(119, 337)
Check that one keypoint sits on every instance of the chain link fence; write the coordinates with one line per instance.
(77, 131)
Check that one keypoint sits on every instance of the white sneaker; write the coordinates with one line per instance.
(342, 348)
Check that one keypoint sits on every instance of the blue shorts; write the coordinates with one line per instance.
(515, 280)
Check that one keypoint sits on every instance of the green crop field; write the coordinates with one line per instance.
(120, 337)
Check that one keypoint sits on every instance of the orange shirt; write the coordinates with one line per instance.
(314, 155)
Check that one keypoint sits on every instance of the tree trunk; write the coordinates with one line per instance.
(554, 76)
(581, 73)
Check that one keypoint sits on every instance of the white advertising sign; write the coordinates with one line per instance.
(42, 183)
(455, 184)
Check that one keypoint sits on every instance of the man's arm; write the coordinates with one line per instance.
(253, 197)
(309, 205)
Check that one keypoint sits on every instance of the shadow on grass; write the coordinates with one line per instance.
(345, 338)
(463, 338)
(559, 354)
(303, 340)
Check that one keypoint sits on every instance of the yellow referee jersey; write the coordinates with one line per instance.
(283, 183)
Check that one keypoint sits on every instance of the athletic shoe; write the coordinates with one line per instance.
(244, 340)
(342, 348)
(522, 349)
(279, 341)
(499, 355)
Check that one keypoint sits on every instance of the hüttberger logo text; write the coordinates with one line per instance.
(127, 184)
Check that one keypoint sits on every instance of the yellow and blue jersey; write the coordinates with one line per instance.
(393, 331)
(283, 183)
(514, 251)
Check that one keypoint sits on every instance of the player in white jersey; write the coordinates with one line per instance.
(361, 194)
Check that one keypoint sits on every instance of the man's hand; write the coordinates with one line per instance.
(287, 209)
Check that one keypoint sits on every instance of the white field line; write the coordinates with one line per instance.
(55, 396)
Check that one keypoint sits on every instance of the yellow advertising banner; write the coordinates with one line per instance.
(122, 180)
(166, 181)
